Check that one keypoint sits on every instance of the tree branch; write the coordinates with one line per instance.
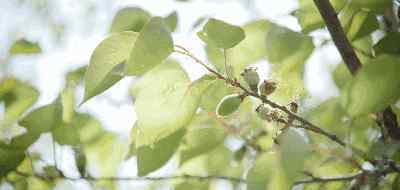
(350, 58)
(162, 178)
(305, 124)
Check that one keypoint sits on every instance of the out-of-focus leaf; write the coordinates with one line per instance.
(153, 45)
(309, 17)
(280, 46)
(192, 185)
(74, 77)
(172, 21)
(18, 97)
(203, 135)
(151, 158)
(288, 72)
(10, 158)
(133, 137)
(166, 101)
(108, 55)
(220, 34)
(375, 87)
(39, 121)
(263, 171)
(363, 23)
(214, 94)
(24, 46)
(388, 44)
(341, 75)
(293, 150)
(377, 6)
(129, 19)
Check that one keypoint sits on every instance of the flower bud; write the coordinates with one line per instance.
(267, 87)
(251, 77)
(228, 105)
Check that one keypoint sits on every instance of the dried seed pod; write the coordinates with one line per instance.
(267, 87)
(294, 107)
(251, 77)
(228, 104)
(263, 112)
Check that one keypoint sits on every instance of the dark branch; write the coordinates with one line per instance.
(350, 58)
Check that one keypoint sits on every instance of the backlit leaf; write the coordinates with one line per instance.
(153, 45)
(24, 46)
(129, 19)
(107, 56)
(221, 34)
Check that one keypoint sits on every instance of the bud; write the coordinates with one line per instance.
(251, 77)
(228, 105)
(267, 87)
(263, 112)
(293, 107)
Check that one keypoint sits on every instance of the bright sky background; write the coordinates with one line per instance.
(84, 30)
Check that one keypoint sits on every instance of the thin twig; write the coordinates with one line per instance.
(162, 178)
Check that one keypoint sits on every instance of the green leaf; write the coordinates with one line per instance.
(153, 45)
(293, 150)
(192, 185)
(375, 87)
(73, 78)
(166, 101)
(228, 105)
(262, 171)
(309, 17)
(151, 158)
(39, 121)
(172, 21)
(203, 135)
(221, 34)
(363, 23)
(24, 46)
(129, 19)
(341, 75)
(213, 95)
(388, 44)
(10, 158)
(288, 74)
(18, 97)
(108, 56)
(280, 46)
(377, 6)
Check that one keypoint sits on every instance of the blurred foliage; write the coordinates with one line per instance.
(208, 126)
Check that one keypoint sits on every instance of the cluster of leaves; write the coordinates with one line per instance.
(194, 121)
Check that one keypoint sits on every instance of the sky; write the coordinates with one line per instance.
(82, 30)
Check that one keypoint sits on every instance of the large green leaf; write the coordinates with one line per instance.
(251, 49)
(376, 86)
(213, 95)
(166, 101)
(10, 158)
(24, 46)
(105, 63)
(293, 150)
(151, 158)
(363, 23)
(262, 172)
(129, 19)
(153, 45)
(377, 6)
(288, 72)
(388, 44)
(171, 21)
(220, 34)
(203, 135)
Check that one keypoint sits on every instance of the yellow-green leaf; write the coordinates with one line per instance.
(153, 45)
(24, 46)
(376, 86)
(129, 19)
(106, 58)
(221, 34)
